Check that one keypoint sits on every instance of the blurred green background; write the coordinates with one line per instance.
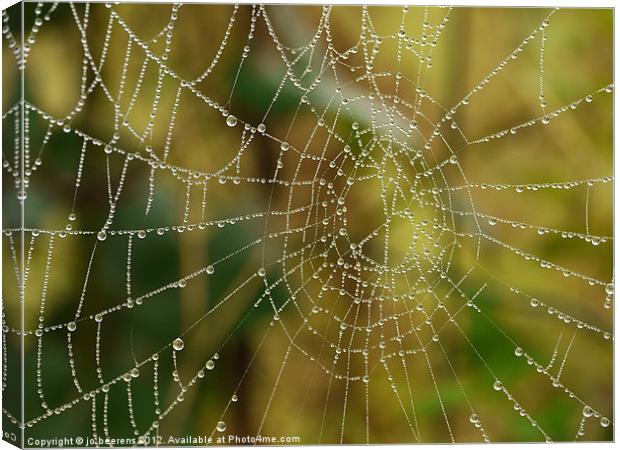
(576, 145)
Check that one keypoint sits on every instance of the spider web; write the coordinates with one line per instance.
(366, 282)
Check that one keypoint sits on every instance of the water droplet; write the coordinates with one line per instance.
(135, 372)
(261, 128)
(182, 283)
(221, 426)
(587, 411)
(365, 378)
(210, 269)
(474, 418)
(492, 221)
(141, 234)
(609, 289)
(518, 351)
(178, 344)
(98, 318)
(234, 398)
(604, 422)
(71, 326)
(102, 235)
(231, 120)
(262, 272)
(210, 365)
(454, 159)
(498, 386)
(284, 146)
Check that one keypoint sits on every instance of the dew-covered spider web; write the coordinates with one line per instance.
(306, 224)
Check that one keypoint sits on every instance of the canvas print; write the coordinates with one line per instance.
(306, 224)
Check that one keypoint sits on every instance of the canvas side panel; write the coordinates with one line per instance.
(12, 242)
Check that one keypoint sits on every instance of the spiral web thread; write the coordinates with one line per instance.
(373, 317)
